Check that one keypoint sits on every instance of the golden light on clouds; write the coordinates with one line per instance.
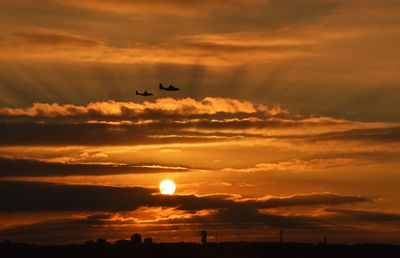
(295, 99)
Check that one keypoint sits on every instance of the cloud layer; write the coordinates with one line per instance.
(38, 168)
(29, 196)
(113, 207)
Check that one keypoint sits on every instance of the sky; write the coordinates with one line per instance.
(287, 118)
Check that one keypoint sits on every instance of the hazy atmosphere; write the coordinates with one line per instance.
(287, 118)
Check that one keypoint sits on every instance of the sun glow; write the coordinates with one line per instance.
(167, 187)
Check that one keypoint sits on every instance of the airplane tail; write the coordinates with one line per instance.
(137, 93)
(161, 86)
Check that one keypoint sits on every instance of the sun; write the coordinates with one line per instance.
(167, 187)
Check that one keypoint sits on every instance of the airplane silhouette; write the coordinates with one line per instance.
(170, 88)
(144, 94)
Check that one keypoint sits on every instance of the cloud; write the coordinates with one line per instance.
(300, 165)
(227, 222)
(242, 218)
(54, 38)
(64, 230)
(26, 196)
(42, 168)
(176, 7)
(208, 113)
(82, 228)
(198, 8)
(339, 222)
(30, 196)
(312, 199)
(334, 58)
(337, 40)
(110, 212)
(95, 135)
(53, 45)
(187, 106)
(377, 135)
(167, 121)
(361, 215)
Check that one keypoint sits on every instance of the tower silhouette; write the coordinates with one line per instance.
(204, 237)
(148, 241)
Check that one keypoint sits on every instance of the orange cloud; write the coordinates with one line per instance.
(55, 44)
(300, 165)
(185, 106)
(175, 7)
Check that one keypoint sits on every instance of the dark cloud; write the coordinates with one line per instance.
(64, 230)
(342, 223)
(362, 215)
(226, 214)
(26, 196)
(181, 131)
(313, 199)
(30, 196)
(245, 218)
(36, 168)
(376, 135)
(338, 221)
(92, 134)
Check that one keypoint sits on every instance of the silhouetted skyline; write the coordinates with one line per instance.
(126, 248)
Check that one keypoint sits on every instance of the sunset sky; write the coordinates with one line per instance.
(287, 118)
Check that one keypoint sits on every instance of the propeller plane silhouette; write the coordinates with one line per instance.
(170, 88)
(145, 93)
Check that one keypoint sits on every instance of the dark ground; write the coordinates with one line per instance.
(238, 249)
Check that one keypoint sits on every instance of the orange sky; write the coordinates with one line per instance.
(287, 118)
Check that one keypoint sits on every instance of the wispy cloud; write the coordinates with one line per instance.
(52, 45)
(42, 168)
(53, 38)
(300, 165)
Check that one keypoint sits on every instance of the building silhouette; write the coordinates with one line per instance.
(101, 242)
(148, 241)
(136, 239)
(204, 237)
